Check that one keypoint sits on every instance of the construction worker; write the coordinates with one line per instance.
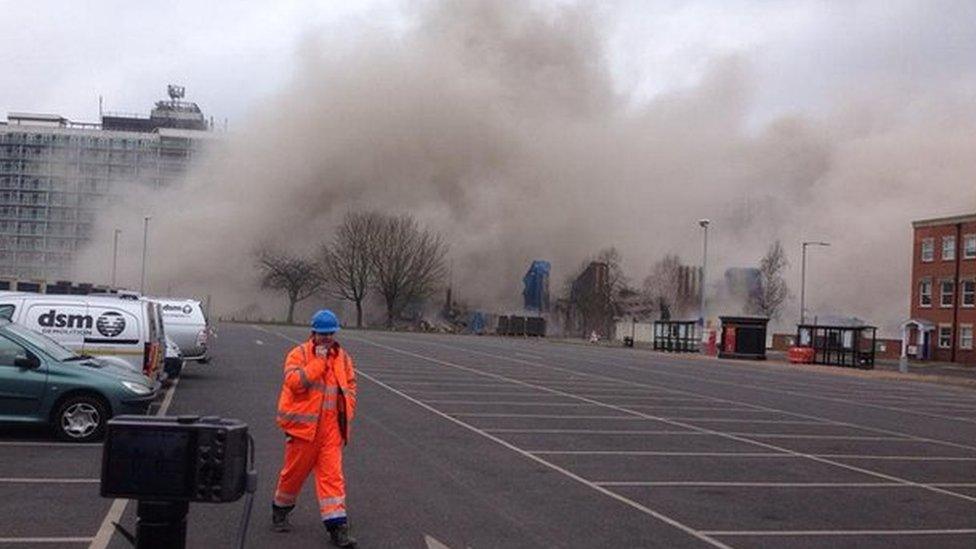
(315, 409)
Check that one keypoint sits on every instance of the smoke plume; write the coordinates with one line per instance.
(498, 124)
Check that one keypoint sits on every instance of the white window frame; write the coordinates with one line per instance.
(943, 293)
(949, 248)
(922, 284)
(946, 335)
(965, 342)
(971, 293)
(969, 246)
(928, 245)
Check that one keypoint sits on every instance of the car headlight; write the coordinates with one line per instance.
(137, 388)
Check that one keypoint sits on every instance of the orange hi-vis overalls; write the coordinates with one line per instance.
(315, 409)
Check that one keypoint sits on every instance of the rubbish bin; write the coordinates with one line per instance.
(800, 355)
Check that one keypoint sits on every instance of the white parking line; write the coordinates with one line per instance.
(107, 528)
(744, 455)
(49, 480)
(545, 416)
(434, 543)
(815, 437)
(27, 443)
(427, 394)
(763, 421)
(660, 454)
(45, 540)
(452, 383)
(686, 408)
(800, 533)
(510, 403)
(706, 484)
(594, 432)
(689, 433)
(899, 458)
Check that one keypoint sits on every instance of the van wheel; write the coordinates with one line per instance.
(81, 419)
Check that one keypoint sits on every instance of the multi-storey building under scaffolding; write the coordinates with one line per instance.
(55, 176)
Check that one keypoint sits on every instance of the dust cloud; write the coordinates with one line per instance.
(498, 124)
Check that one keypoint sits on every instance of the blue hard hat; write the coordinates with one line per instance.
(325, 322)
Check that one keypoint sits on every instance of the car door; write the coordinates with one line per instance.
(21, 388)
(115, 333)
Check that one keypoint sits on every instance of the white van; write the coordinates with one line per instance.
(127, 330)
(187, 326)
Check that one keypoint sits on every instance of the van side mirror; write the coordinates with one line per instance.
(28, 362)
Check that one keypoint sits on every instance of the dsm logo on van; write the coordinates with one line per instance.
(185, 309)
(109, 324)
(53, 319)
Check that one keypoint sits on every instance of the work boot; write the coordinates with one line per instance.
(340, 535)
(279, 519)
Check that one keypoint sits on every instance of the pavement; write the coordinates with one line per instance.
(484, 442)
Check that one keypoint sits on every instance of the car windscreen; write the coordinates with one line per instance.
(54, 349)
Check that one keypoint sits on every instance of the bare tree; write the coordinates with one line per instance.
(298, 277)
(663, 285)
(408, 263)
(350, 258)
(617, 282)
(773, 292)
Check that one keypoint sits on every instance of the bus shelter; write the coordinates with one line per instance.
(676, 336)
(849, 346)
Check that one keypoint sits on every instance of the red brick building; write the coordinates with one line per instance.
(943, 290)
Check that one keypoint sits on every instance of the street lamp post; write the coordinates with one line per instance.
(803, 277)
(145, 250)
(703, 223)
(115, 255)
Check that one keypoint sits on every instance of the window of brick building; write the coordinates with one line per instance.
(969, 246)
(945, 336)
(966, 336)
(928, 249)
(925, 293)
(947, 289)
(948, 248)
(968, 290)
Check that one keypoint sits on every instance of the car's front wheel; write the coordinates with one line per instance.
(81, 419)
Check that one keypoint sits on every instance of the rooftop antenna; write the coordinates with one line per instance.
(176, 92)
(99, 107)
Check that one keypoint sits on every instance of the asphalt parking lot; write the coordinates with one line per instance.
(487, 442)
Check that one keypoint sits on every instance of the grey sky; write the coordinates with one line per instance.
(60, 56)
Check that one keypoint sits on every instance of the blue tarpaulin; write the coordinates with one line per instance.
(478, 322)
(536, 292)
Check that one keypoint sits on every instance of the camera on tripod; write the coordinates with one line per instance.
(167, 462)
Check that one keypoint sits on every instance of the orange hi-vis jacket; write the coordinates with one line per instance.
(304, 391)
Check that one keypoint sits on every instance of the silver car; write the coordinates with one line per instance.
(186, 325)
